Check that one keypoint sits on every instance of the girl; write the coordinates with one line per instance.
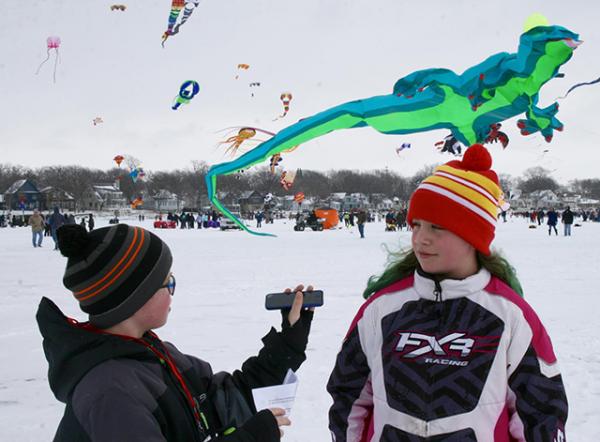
(445, 348)
(120, 382)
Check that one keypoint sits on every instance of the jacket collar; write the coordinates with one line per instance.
(426, 286)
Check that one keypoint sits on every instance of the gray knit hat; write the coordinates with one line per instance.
(113, 271)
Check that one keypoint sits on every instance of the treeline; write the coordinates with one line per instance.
(189, 183)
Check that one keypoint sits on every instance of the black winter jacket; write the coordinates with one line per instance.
(124, 389)
(567, 217)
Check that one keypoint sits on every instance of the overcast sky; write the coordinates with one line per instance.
(325, 52)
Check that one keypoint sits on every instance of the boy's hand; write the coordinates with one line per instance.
(280, 417)
(297, 320)
(294, 313)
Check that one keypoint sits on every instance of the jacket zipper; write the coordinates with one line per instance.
(437, 291)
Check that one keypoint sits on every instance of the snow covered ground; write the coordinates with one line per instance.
(218, 311)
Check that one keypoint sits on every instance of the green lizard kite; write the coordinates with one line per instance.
(503, 86)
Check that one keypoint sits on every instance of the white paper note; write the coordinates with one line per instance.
(277, 396)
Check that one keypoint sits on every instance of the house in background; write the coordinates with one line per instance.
(23, 195)
(55, 197)
(164, 201)
(103, 197)
(251, 201)
(355, 201)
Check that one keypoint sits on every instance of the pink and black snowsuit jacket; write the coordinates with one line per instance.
(456, 360)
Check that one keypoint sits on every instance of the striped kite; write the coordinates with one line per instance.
(173, 26)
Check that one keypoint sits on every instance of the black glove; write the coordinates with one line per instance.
(296, 335)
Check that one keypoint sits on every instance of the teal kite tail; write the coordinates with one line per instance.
(211, 180)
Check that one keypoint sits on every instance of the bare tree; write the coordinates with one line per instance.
(263, 181)
(9, 174)
(416, 179)
(537, 178)
(589, 187)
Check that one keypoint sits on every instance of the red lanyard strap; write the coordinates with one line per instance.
(165, 359)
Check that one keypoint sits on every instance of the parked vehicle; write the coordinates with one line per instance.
(312, 222)
(227, 224)
(164, 224)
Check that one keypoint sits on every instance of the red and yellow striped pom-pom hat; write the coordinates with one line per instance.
(462, 197)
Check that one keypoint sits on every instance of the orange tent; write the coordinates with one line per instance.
(330, 216)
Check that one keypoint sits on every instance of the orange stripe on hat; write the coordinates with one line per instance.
(116, 266)
(135, 254)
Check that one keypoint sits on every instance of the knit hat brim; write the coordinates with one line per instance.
(142, 294)
(429, 206)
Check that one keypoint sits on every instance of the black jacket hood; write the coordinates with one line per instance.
(72, 350)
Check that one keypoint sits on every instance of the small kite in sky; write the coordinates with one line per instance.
(275, 160)
(138, 201)
(241, 67)
(285, 98)
(137, 173)
(449, 144)
(97, 121)
(118, 159)
(496, 135)
(234, 142)
(118, 7)
(287, 179)
(402, 147)
(244, 134)
(173, 26)
(51, 43)
(252, 85)
(187, 91)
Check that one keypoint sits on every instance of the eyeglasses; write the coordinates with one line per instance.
(170, 285)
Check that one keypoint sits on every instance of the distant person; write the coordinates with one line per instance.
(567, 220)
(36, 221)
(361, 219)
(552, 218)
(82, 222)
(540, 216)
(401, 218)
(91, 223)
(47, 227)
(56, 221)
